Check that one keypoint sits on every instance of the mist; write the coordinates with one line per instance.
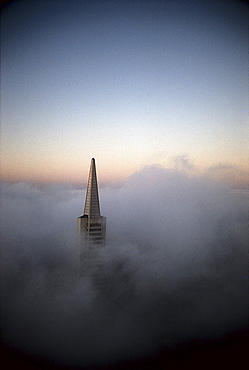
(176, 266)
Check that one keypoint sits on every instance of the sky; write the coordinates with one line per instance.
(131, 83)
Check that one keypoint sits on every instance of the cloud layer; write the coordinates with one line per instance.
(176, 268)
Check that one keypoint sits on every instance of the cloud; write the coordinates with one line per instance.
(228, 173)
(181, 162)
(176, 267)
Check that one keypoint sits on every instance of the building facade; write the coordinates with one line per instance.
(92, 233)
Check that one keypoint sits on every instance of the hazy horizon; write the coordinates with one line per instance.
(227, 175)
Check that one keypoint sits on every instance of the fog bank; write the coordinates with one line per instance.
(176, 260)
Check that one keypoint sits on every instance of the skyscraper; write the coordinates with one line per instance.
(92, 233)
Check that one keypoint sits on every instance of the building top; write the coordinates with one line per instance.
(92, 209)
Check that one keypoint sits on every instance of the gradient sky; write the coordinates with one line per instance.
(130, 83)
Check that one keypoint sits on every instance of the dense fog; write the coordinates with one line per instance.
(176, 266)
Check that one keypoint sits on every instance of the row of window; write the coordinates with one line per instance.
(95, 224)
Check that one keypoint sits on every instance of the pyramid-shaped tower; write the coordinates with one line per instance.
(92, 232)
(92, 196)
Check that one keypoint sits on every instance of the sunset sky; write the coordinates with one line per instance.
(131, 83)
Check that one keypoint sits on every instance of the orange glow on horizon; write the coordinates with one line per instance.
(111, 173)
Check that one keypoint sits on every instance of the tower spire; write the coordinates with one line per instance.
(92, 233)
(92, 209)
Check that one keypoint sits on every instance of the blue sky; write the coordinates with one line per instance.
(130, 83)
